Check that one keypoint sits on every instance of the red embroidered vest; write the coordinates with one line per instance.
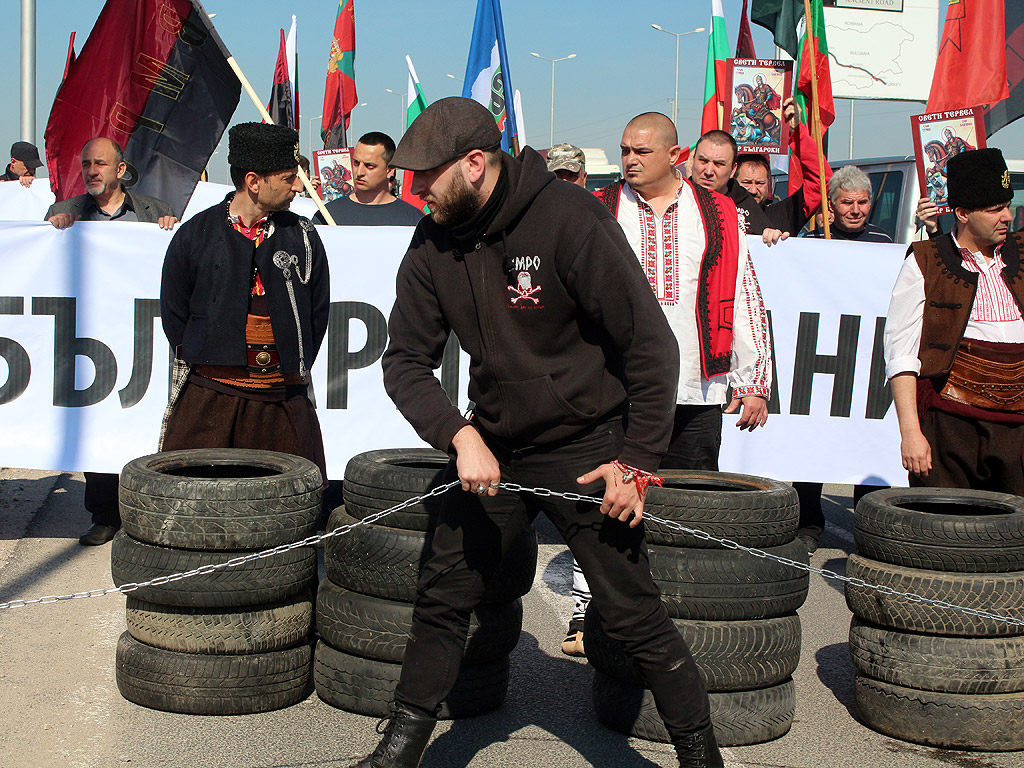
(716, 286)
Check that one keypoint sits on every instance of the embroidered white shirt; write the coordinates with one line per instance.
(670, 248)
(994, 316)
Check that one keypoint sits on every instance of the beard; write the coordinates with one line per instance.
(457, 204)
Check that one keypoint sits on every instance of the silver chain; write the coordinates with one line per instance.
(515, 488)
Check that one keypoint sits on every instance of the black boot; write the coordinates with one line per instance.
(699, 750)
(405, 739)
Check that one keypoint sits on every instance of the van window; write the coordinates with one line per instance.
(886, 197)
(1016, 207)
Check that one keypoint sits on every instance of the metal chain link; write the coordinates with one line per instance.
(515, 488)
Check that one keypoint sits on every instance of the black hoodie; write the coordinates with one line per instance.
(558, 319)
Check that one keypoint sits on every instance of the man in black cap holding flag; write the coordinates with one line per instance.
(954, 339)
(244, 300)
(565, 340)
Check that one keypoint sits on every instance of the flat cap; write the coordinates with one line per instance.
(447, 129)
(567, 157)
(977, 179)
(26, 153)
(263, 147)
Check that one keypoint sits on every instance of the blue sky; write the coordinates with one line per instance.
(622, 66)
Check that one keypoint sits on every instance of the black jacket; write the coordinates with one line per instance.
(752, 216)
(147, 209)
(560, 323)
(204, 291)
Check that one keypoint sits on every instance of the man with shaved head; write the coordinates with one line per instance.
(106, 199)
(693, 249)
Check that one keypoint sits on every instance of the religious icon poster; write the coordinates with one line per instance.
(937, 137)
(334, 169)
(755, 90)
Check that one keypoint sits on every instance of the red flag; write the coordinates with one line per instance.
(340, 89)
(745, 41)
(971, 67)
(1005, 112)
(71, 57)
(815, 30)
(280, 107)
(154, 77)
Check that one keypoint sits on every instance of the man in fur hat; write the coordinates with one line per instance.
(244, 301)
(954, 339)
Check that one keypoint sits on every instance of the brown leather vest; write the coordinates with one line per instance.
(949, 291)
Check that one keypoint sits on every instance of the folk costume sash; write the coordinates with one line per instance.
(716, 284)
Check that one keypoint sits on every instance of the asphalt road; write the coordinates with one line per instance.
(61, 708)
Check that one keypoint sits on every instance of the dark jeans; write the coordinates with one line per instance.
(474, 531)
(696, 438)
(101, 498)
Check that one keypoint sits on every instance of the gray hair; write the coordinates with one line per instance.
(849, 177)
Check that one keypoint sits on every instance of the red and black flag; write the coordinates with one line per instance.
(280, 107)
(154, 77)
(745, 40)
(1009, 109)
(971, 65)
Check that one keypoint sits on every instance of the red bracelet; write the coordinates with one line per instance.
(638, 476)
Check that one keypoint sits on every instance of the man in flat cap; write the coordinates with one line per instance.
(24, 161)
(244, 301)
(565, 340)
(954, 339)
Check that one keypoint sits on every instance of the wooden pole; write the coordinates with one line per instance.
(812, 43)
(266, 116)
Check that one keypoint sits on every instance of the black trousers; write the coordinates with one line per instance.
(474, 531)
(101, 498)
(696, 438)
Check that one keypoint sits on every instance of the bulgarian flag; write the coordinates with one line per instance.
(417, 103)
(714, 74)
(826, 105)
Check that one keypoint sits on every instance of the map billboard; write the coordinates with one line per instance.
(882, 49)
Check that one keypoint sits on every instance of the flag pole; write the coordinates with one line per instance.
(266, 117)
(812, 43)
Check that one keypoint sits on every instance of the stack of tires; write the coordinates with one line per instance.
(925, 673)
(231, 641)
(736, 612)
(364, 608)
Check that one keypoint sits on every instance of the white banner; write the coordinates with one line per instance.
(84, 363)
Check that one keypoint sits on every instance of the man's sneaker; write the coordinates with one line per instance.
(573, 643)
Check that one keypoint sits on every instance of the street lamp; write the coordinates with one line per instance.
(551, 136)
(311, 119)
(453, 77)
(677, 35)
(401, 131)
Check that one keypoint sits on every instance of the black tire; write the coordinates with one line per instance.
(220, 499)
(970, 666)
(998, 593)
(206, 684)
(367, 686)
(942, 529)
(266, 580)
(375, 628)
(988, 723)
(752, 511)
(386, 562)
(421, 516)
(726, 585)
(731, 655)
(259, 629)
(740, 717)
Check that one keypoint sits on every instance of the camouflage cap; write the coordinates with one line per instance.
(567, 157)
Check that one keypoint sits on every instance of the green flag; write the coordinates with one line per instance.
(781, 17)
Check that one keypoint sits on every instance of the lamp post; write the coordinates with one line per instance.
(401, 131)
(677, 35)
(551, 136)
(311, 120)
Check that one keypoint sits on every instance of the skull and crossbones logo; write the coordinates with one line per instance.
(524, 288)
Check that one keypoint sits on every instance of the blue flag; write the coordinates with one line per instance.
(487, 76)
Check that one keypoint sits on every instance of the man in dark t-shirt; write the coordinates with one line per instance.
(371, 203)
